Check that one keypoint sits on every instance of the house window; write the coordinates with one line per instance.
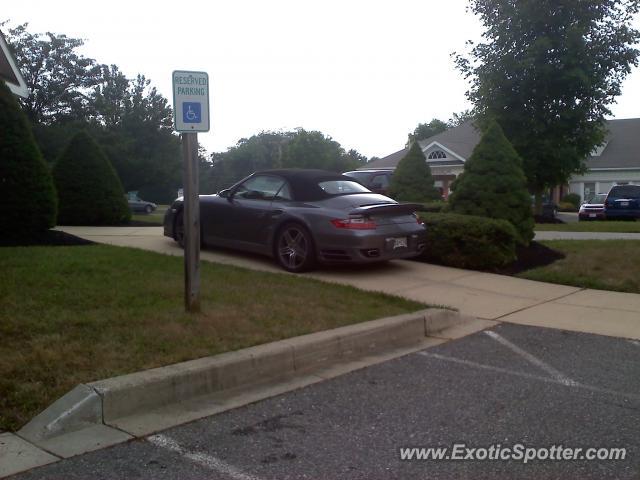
(436, 154)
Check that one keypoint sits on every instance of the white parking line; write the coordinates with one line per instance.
(557, 375)
(482, 366)
(202, 459)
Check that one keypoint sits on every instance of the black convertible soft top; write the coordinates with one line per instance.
(304, 182)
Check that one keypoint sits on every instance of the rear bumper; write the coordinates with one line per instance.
(591, 215)
(622, 213)
(362, 248)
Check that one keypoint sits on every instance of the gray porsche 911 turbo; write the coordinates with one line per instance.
(302, 217)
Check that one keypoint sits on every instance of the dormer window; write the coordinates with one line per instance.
(436, 155)
(596, 152)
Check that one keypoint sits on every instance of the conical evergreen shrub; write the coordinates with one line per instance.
(493, 184)
(412, 181)
(28, 204)
(89, 190)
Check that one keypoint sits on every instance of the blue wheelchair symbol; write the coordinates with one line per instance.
(191, 112)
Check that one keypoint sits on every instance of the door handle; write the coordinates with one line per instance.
(276, 212)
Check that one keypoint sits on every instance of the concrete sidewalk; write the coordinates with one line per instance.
(482, 295)
(586, 236)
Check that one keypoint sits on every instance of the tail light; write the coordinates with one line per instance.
(354, 223)
(418, 219)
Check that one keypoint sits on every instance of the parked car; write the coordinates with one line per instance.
(136, 204)
(375, 180)
(549, 208)
(593, 208)
(623, 202)
(301, 217)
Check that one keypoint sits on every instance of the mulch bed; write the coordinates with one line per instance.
(50, 238)
(535, 255)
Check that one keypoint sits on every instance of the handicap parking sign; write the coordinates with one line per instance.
(191, 112)
(190, 101)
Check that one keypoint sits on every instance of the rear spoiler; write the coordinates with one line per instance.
(388, 208)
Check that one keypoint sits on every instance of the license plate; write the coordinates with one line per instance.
(624, 204)
(400, 242)
(592, 215)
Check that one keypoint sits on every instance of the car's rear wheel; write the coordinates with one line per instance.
(294, 249)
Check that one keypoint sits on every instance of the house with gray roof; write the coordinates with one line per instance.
(615, 162)
(9, 72)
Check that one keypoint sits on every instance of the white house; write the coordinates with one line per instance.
(617, 161)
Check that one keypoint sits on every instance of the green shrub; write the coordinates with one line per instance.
(28, 205)
(466, 241)
(435, 207)
(567, 207)
(412, 180)
(89, 190)
(574, 199)
(493, 184)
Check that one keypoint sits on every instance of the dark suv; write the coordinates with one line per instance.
(375, 180)
(623, 201)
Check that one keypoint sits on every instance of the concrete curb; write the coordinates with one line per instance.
(84, 419)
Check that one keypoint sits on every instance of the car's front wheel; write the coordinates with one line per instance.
(148, 209)
(294, 248)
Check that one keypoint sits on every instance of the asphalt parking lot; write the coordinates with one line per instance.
(509, 385)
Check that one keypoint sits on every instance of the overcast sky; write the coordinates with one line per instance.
(364, 72)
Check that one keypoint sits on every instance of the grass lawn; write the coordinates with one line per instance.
(600, 264)
(83, 313)
(593, 226)
(154, 218)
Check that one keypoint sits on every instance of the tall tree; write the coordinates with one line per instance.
(412, 181)
(89, 190)
(493, 184)
(28, 206)
(547, 71)
(312, 149)
(426, 130)
(59, 78)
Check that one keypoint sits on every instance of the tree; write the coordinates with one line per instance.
(412, 180)
(58, 76)
(312, 149)
(458, 119)
(494, 185)
(28, 206)
(128, 118)
(89, 190)
(547, 72)
(426, 130)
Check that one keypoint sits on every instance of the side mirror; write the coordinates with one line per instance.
(377, 186)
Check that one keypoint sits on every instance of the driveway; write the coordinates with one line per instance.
(483, 295)
(501, 387)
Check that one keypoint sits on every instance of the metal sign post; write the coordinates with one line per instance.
(191, 115)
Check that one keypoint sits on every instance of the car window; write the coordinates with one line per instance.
(259, 187)
(598, 198)
(625, 191)
(342, 187)
(284, 193)
(381, 181)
